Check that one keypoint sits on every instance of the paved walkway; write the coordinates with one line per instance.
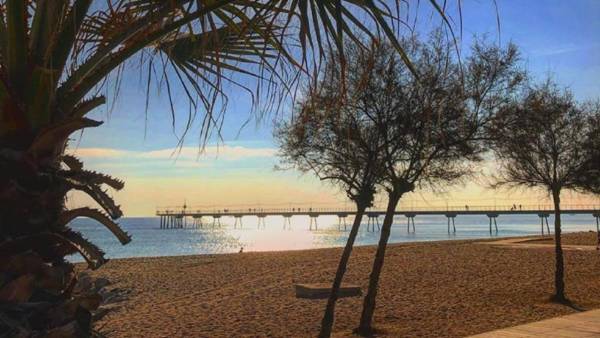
(584, 324)
(528, 243)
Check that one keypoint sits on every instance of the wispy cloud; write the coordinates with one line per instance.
(184, 154)
(564, 49)
(99, 152)
(224, 152)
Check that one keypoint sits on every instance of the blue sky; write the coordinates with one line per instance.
(555, 37)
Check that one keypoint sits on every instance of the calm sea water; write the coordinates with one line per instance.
(149, 240)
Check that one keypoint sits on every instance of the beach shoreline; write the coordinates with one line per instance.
(434, 288)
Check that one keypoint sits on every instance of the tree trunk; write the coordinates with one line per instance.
(328, 316)
(35, 237)
(369, 301)
(559, 281)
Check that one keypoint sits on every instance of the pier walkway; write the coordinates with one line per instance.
(176, 217)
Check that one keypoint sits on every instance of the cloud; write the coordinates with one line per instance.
(98, 152)
(223, 152)
(184, 154)
(564, 49)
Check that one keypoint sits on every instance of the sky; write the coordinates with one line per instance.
(555, 37)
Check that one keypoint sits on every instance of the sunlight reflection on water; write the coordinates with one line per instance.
(149, 240)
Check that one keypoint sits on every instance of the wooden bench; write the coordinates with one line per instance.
(322, 290)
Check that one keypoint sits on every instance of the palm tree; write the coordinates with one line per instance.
(57, 55)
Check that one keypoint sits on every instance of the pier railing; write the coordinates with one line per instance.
(190, 210)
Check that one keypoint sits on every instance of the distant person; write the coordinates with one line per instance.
(241, 250)
(466, 207)
(520, 207)
(514, 207)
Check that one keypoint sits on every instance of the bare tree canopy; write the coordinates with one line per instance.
(590, 182)
(433, 126)
(331, 138)
(546, 139)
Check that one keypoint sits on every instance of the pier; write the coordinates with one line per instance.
(175, 217)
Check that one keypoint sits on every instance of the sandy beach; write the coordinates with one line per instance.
(436, 289)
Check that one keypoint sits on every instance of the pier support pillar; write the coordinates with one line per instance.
(410, 218)
(542, 218)
(287, 222)
(216, 221)
(493, 218)
(261, 221)
(313, 220)
(373, 219)
(238, 220)
(342, 217)
(451, 218)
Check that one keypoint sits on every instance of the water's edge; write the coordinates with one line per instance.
(151, 241)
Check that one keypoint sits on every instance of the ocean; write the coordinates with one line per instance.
(151, 241)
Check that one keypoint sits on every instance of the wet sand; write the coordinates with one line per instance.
(436, 289)
(578, 238)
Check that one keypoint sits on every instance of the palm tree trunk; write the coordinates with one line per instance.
(559, 281)
(35, 239)
(369, 301)
(328, 316)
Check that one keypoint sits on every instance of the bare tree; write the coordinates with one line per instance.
(432, 126)
(591, 181)
(336, 142)
(543, 140)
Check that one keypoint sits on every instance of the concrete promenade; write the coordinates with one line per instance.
(584, 325)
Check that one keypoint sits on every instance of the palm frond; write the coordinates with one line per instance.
(98, 216)
(100, 196)
(291, 32)
(16, 39)
(57, 133)
(47, 244)
(72, 162)
(87, 177)
(90, 252)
